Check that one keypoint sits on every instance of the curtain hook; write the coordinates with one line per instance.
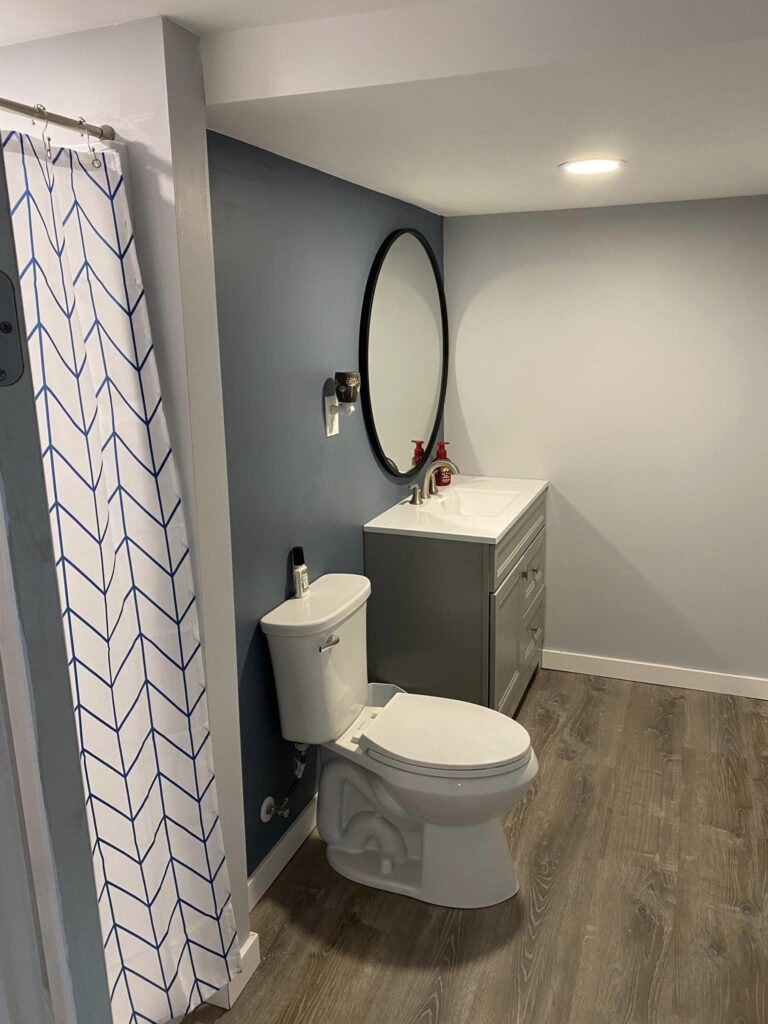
(95, 161)
(46, 139)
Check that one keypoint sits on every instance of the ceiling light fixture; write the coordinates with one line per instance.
(602, 166)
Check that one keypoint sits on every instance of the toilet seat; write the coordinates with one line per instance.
(443, 737)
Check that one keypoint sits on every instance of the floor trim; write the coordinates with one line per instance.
(250, 958)
(281, 853)
(662, 675)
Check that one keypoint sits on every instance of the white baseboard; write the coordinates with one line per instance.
(662, 675)
(281, 853)
(250, 958)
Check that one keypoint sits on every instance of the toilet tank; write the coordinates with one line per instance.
(318, 649)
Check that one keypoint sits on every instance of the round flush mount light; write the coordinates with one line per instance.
(600, 166)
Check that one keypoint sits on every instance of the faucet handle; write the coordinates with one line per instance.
(415, 490)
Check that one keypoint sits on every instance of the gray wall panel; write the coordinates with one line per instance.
(293, 248)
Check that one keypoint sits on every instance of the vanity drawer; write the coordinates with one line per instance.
(532, 571)
(507, 553)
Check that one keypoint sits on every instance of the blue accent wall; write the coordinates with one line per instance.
(293, 248)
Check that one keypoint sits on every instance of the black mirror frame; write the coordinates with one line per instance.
(365, 326)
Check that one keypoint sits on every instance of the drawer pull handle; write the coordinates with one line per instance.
(332, 641)
(536, 630)
(530, 572)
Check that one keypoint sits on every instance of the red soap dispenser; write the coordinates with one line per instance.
(418, 452)
(443, 475)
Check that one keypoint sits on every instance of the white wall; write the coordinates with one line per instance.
(145, 79)
(622, 353)
(117, 75)
(197, 378)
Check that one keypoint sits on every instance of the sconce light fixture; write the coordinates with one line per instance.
(340, 395)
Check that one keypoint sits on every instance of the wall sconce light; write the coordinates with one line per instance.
(340, 395)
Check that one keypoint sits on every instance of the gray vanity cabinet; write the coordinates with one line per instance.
(459, 619)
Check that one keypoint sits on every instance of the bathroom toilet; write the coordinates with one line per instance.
(413, 789)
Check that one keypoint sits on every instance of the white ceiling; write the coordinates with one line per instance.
(20, 20)
(691, 124)
(468, 106)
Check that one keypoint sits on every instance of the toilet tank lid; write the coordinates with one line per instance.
(331, 599)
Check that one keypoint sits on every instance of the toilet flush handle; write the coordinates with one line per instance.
(330, 642)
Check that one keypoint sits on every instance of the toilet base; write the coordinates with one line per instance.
(465, 867)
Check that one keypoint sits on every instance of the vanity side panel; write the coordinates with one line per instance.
(428, 615)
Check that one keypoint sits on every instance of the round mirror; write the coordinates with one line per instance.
(403, 351)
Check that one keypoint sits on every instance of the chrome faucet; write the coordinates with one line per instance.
(429, 488)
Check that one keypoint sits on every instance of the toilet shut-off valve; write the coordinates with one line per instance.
(270, 808)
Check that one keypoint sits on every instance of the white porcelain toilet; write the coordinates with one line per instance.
(413, 789)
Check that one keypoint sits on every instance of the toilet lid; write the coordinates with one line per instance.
(436, 734)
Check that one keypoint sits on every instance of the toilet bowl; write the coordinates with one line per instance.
(413, 789)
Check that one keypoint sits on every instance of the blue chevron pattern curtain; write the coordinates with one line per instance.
(127, 598)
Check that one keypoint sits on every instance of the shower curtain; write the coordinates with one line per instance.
(125, 583)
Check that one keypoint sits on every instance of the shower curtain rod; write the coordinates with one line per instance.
(39, 113)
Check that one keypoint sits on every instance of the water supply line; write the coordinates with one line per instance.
(282, 809)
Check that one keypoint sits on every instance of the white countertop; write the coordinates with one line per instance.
(478, 509)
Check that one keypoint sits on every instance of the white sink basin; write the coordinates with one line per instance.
(471, 502)
(471, 508)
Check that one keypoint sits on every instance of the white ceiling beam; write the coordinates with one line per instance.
(456, 37)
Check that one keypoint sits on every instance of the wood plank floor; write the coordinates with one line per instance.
(643, 858)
